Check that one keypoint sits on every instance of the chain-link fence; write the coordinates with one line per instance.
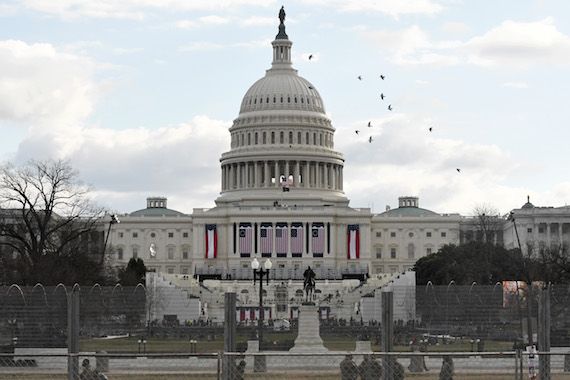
(271, 365)
(166, 331)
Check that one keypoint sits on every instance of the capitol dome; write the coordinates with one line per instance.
(282, 142)
(280, 90)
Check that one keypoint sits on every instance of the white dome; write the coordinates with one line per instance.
(282, 90)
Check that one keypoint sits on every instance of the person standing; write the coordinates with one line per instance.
(348, 368)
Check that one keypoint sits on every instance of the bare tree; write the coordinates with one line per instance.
(47, 221)
(488, 223)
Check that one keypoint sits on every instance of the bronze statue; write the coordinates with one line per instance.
(309, 283)
(282, 15)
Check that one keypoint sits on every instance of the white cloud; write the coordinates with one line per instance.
(132, 9)
(520, 44)
(512, 44)
(393, 8)
(455, 27)
(181, 161)
(41, 86)
(258, 21)
(405, 159)
(519, 85)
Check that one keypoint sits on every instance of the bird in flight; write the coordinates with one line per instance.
(458, 170)
(389, 107)
(359, 77)
(357, 131)
(430, 128)
(382, 77)
(370, 139)
(310, 57)
(369, 124)
(382, 96)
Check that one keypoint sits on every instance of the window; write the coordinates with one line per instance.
(184, 270)
(281, 137)
(393, 269)
(378, 252)
(392, 234)
(152, 235)
(321, 139)
(249, 139)
(256, 138)
(171, 234)
(411, 251)
(428, 234)
(135, 234)
(120, 235)
(529, 230)
(443, 234)
(307, 138)
(170, 270)
(264, 138)
(393, 253)
(185, 254)
(135, 252)
(170, 253)
(378, 234)
(185, 234)
(411, 234)
(272, 137)
(120, 253)
(428, 251)
(290, 137)
(298, 137)
(540, 230)
(315, 138)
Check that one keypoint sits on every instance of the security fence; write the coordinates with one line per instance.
(134, 332)
(271, 365)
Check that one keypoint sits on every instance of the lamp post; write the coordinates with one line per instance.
(114, 220)
(142, 341)
(260, 272)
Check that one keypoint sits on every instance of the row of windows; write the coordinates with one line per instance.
(394, 252)
(153, 235)
(170, 253)
(245, 139)
(283, 99)
(410, 234)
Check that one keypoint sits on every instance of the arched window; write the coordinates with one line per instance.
(272, 137)
(249, 139)
(320, 139)
(281, 137)
(307, 138)
(314, 138)
(255, 138)
(281, 99)
(288, 99)
(264, 139)
(274, 99)
(290, 137)
(298, 137)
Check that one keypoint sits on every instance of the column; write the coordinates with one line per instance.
(276, 175)
(230, 174)
(333, 178)
(255, 175)
(341, 178)
(327, 175)
(296, 174)
(266, 172)
(548, 235)
(317, 175)
(223, 177)
(305, 169)
(246, 174)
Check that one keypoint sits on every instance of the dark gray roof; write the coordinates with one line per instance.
(156, 211)
(408, 211)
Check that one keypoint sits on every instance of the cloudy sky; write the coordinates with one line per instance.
(139, 94)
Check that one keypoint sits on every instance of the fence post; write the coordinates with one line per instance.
(388, 333)
(544, 333)
(73, 334)
(228, 362)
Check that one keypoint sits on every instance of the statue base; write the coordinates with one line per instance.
(308, 339)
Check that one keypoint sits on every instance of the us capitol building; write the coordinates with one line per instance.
(282, 198)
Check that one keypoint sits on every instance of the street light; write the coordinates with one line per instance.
(114, 220)
(261, 272)
(143, 342)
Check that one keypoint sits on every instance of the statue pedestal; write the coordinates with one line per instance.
(308, 340)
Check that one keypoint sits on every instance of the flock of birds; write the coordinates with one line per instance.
(390, 108)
